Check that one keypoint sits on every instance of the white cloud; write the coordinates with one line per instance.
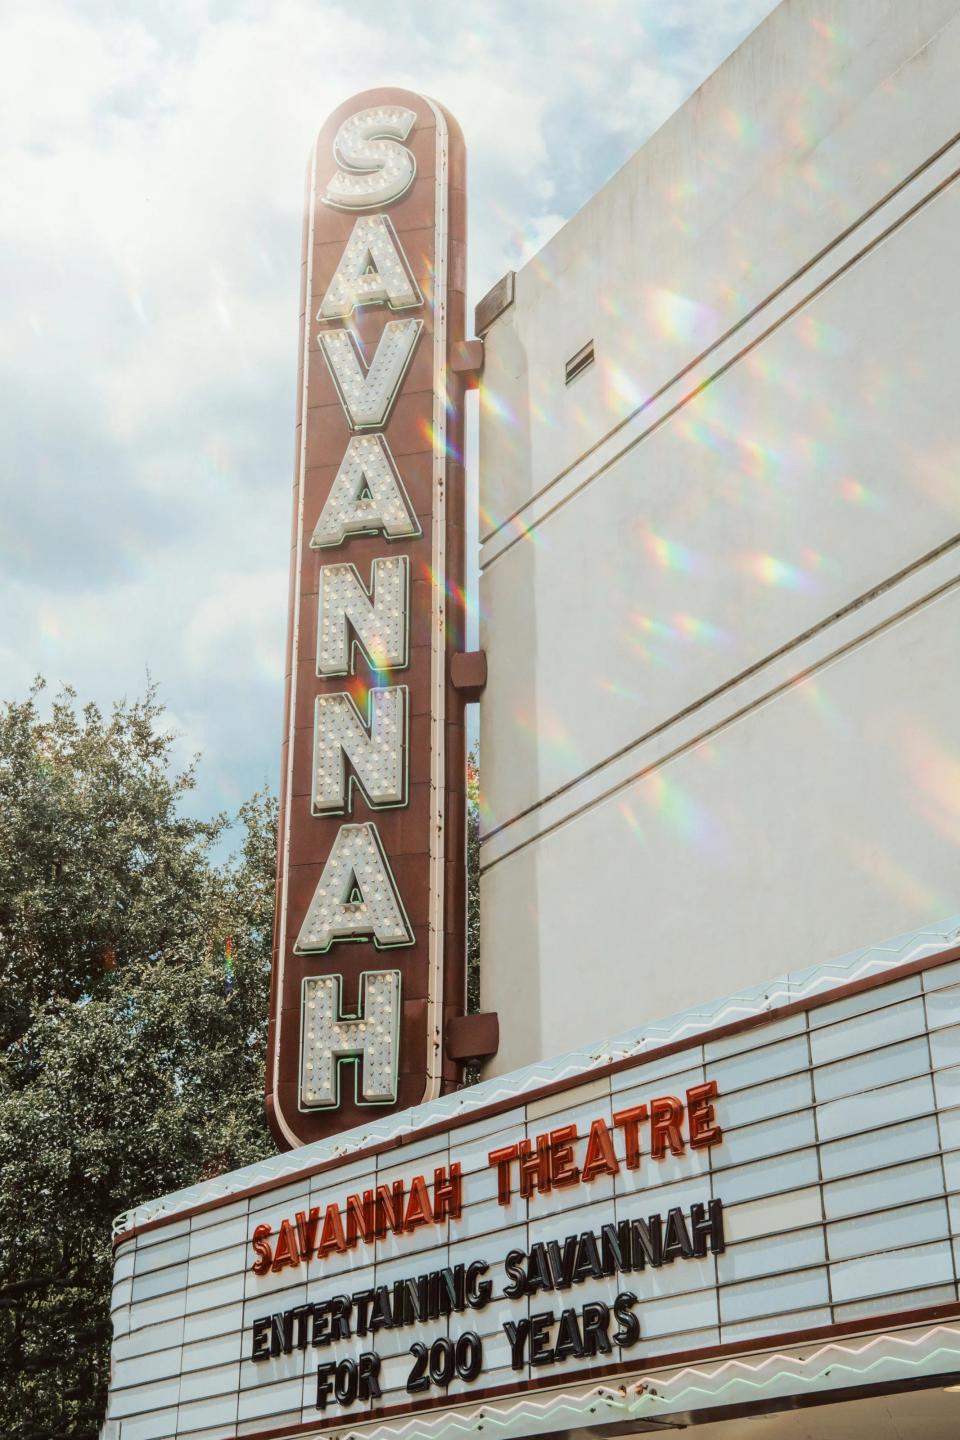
(234, 626)
(152, 159)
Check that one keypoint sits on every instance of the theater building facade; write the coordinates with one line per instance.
(710, 1175)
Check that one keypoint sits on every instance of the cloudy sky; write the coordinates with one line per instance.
(151, 162)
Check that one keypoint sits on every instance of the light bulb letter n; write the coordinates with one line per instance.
(376, 749)
(378, 617)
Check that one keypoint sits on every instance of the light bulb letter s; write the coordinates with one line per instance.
(374, 168)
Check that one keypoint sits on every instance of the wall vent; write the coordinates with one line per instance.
(579, 362)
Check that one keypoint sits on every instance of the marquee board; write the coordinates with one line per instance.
(761, 1199)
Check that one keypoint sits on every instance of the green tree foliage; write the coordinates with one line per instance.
(130, 1063)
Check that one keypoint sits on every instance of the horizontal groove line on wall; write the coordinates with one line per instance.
(805, 672)
(768, 300)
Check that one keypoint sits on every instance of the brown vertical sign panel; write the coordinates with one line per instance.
(369, 946)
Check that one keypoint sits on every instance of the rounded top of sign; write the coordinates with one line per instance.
(383, 96)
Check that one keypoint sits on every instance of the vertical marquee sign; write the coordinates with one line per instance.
(369, 946)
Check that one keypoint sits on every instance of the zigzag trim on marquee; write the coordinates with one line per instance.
(933, 1351)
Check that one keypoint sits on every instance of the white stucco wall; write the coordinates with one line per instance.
(720, 734)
